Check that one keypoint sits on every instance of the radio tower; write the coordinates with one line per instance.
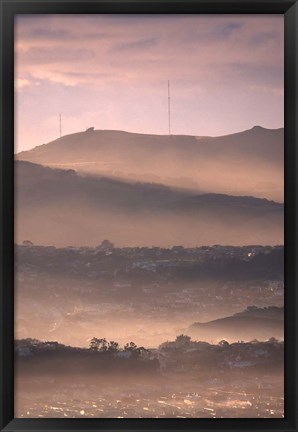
(60, 125)
(169, 107)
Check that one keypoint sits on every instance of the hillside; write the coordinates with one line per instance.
(253, 323)
(60, 207)
(245, 163)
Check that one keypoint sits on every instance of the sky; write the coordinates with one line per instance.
(111, 72)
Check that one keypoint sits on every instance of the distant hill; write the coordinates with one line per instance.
(59, 207)
(253, 323)
(245, 163)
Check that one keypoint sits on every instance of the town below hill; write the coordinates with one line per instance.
(148, 294)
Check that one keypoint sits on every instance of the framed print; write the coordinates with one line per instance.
(148, 215)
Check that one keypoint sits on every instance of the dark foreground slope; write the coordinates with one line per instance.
(60, 207)
(245, 163)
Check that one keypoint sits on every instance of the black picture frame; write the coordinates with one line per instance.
(8, 9)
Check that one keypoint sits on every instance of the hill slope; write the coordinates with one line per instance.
(63, 208)
(259, 323)
(245, 163)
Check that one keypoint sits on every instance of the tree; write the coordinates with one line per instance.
(133, 349)
(98, 344)
(94, 344)
(143, 352)
(131, 346)
(223, 343)
(113, 347)
(103, 344)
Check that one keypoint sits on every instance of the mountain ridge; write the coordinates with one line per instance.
(62, 207)
(244, 163)
(118, 131)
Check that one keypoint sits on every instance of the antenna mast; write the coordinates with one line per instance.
(169, 107)
(60, 125)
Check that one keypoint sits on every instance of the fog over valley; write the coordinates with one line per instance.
(62, 208)
(150, 332)
(151, 268)
(244, 163)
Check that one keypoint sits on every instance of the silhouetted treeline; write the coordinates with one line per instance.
(182, 355)
(217, 262)
(52, 357)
